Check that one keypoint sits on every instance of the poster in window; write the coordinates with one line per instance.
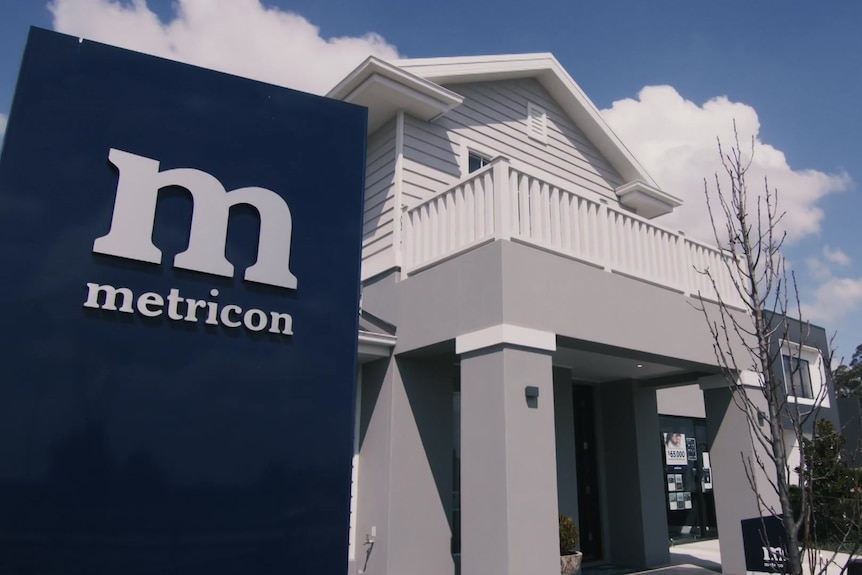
(691, 448)
(706, 478)
(671, 482)
(686, 497)
(678, 481)
(674, 449)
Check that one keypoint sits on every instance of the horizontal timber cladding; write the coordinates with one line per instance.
(493, 118)
(431, 160)
(380, 208)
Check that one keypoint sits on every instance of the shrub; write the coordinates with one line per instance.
(569, 536)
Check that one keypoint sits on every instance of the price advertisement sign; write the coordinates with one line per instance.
(675, 449)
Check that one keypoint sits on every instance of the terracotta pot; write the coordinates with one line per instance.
(570, 564)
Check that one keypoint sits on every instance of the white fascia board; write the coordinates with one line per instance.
(648, 201)
(506, 334)
(374, 346)
(551, 74)
(378, 339)
(652, 191)
(470, 68)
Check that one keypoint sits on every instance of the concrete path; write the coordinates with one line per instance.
(705, 554)
(701, 557)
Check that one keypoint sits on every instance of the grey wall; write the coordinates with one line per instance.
(421, 472)
(507, 282)
(682, 400)
(735, 499)
(634, 476)
(456, 297)
(564, 424)
(405, 467)
(586, 303)
(374, 464)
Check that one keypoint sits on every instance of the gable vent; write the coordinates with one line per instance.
(537, 123)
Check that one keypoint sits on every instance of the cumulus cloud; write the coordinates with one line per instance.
(834, 299)
(820, 268)
(836, 256)
(835, 296)
(675, 140)
(242, 37)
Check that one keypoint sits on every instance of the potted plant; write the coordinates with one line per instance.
(570, 560)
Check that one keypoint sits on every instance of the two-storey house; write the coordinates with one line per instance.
(522, 310)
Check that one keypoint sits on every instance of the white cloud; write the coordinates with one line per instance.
(241, 37)
(818, 269)
(834, 299)
(836, 256)
(675, 140)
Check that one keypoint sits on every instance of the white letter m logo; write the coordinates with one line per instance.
(131, 233)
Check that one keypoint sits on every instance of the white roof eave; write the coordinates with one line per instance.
(386, 89)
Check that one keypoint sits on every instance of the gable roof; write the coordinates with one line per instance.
(417, 86)
(545, 68)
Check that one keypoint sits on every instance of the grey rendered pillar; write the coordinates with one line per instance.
(508, 462)
(634, 476)
(730, 443)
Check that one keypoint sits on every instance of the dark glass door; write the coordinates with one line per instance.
(589, 510)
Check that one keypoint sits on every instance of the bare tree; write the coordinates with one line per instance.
(762, 332)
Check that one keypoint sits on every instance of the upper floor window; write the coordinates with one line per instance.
(804, 374)
(797, 377)
(476, 162)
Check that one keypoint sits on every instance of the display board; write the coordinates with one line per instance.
(180, 271)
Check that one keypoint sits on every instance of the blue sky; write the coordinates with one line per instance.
(788, 72)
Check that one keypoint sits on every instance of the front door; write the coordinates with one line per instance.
(589, 510)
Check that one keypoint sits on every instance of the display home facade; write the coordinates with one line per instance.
(522, 311)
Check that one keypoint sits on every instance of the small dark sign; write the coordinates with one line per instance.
(691, 448)
(763, 541)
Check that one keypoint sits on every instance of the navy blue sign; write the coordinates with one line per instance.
(763, 542)
(180, 271)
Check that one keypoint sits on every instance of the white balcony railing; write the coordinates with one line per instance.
(501, 202)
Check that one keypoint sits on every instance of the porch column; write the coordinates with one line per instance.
(634, 475)
(508, 455)
(730, 443)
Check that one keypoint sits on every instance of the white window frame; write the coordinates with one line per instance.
(464, 156)
(816, 372)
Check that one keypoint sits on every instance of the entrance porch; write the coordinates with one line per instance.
(470, 448)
